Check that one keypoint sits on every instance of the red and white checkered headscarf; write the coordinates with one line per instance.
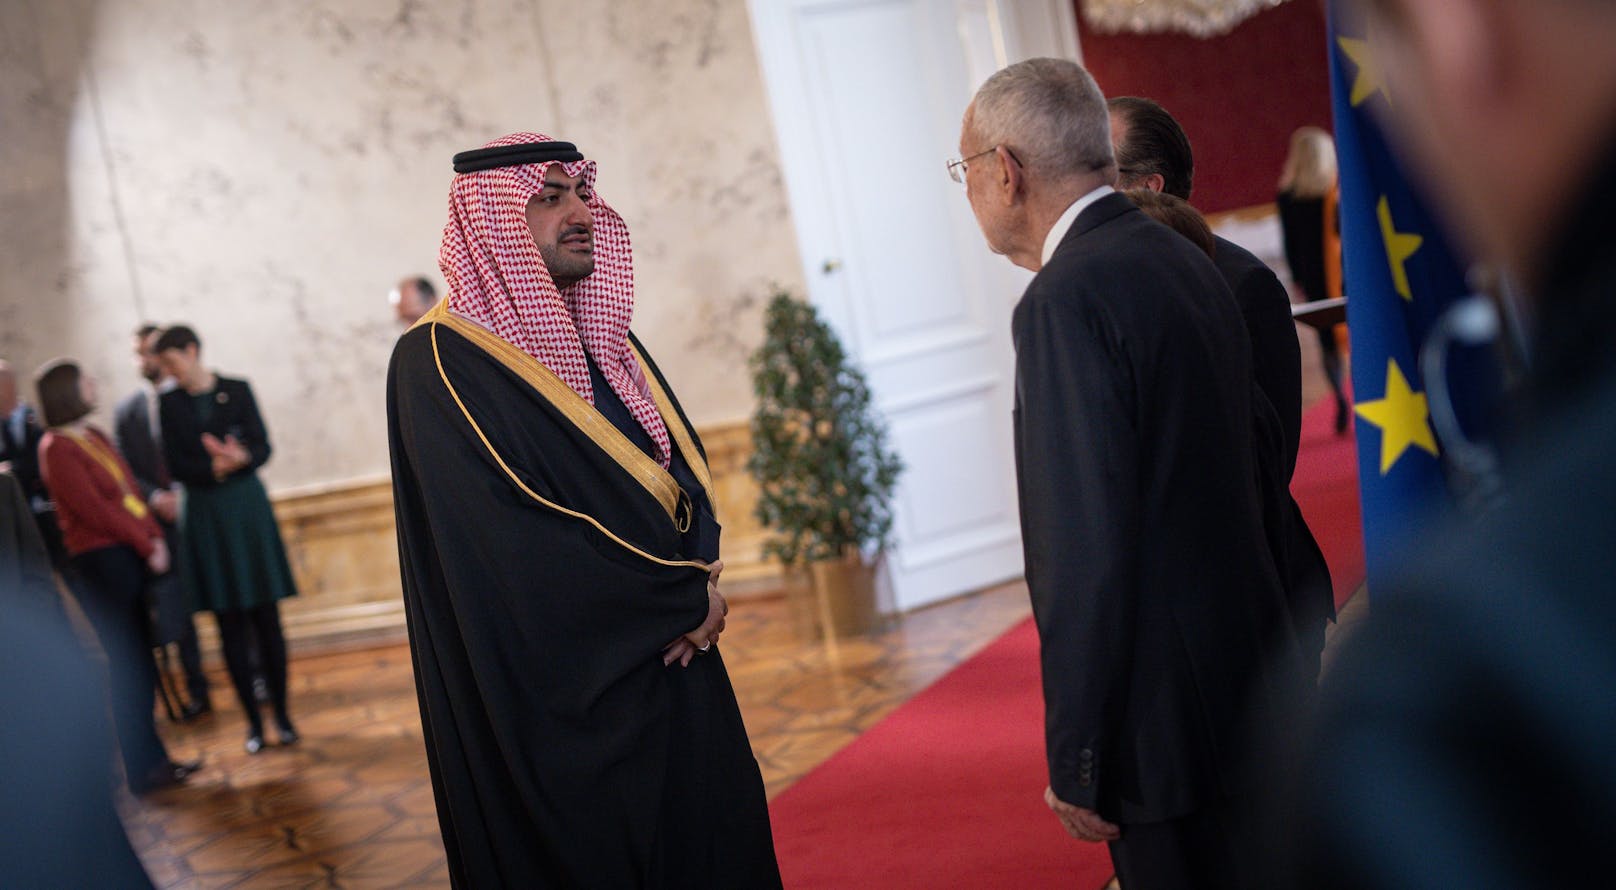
(497, 279)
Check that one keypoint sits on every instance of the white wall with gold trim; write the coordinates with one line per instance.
(344, 551)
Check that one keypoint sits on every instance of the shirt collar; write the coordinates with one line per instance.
(1064, 224)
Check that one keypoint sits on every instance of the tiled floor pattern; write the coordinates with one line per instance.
(351, 805)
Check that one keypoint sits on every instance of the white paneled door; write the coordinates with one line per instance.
(867, 97)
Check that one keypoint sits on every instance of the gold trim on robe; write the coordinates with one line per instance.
(681, 435)
(657, 481)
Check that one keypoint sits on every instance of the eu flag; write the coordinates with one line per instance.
(1400, 277)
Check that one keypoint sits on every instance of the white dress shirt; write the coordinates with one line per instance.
(1064, 224)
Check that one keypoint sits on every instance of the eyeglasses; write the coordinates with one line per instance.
(958, 166)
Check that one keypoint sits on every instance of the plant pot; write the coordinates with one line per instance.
(845, 591)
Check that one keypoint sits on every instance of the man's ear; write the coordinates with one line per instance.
(1153, 181)
(1012, 180)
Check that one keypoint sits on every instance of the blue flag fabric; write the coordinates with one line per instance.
(1400, 276)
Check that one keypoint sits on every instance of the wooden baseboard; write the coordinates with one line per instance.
(343, 547)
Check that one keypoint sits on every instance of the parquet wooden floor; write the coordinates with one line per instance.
(351, 805)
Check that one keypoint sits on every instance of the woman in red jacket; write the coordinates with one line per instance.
(113, 542)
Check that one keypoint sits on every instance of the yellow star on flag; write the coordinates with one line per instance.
(1403, 418)
(1399, 247)
(1369, 80)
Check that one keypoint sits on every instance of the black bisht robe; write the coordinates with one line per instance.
(546, 563)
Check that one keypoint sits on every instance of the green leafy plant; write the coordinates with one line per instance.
(819, 449)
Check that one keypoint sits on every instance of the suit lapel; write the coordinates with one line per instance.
(146, 420)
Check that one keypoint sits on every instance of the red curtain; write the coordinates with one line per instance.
(1238, 96)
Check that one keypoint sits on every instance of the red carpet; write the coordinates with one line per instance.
(947, 791)
(1325, 485)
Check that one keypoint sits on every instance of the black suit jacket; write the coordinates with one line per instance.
(20, 433)
(1468, 723)
(131, 427)
(1165, 635)
(234, 413)
(1276, 357)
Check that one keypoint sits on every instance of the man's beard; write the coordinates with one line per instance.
(567, 268)
(570, 269)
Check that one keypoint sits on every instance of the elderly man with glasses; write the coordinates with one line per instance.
(1164, 633)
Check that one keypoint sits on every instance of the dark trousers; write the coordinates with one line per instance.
(1330, 357)
(174, 624)
(1215, 848)
(51, 533)
(196, 682)
(241, 631)
(111, 589)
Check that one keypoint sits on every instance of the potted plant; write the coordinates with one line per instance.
(820, 458)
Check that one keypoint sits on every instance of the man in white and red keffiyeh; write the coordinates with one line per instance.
(560, 557)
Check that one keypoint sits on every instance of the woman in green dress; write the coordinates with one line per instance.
(230, 549)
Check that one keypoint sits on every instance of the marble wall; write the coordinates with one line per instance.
(265, 171)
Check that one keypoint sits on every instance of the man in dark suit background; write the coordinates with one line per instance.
(20, 432)
(1166, 640)
(1153, 152)
(139, 437)
(1469, 721)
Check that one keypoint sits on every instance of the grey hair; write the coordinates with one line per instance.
(1050, 114)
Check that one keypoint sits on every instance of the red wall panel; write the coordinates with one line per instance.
(1238, 96)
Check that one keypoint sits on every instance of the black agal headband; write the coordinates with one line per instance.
(515, 156)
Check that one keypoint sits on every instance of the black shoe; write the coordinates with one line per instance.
(288, 733)
(194, 709)
(255, 741)
(167, 775)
